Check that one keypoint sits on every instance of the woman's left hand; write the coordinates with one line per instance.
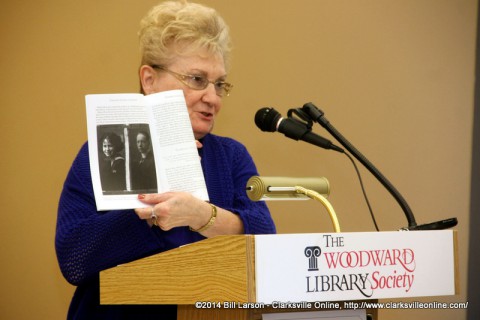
(174, 209)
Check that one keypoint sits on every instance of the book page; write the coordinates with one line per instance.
(177, 150)
(132, 154)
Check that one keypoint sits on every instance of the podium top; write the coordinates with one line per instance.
(290, 267)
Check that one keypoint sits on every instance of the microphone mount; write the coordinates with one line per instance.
(311, 112)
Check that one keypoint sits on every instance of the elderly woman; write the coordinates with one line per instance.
(184, 46)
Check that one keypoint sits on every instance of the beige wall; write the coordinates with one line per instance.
(394, 76)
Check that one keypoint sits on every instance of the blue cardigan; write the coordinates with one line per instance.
(88, 241)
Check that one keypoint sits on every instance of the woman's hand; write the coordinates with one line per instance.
(174, 209)
(181, 209)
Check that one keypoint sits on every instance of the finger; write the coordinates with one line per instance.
(199, 144)
(163, 225)
(153, 198)
(143, 213)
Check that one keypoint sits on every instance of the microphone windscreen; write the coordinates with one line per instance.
(266, 119)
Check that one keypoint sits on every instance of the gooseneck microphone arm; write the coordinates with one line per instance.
(318, 116)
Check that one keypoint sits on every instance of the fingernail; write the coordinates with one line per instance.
(141, 196)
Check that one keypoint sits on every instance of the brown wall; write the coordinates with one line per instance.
(396, 77)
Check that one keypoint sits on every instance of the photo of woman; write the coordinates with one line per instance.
(112, 162)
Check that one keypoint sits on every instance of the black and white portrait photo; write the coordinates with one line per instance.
(111, 145)
(142, 163)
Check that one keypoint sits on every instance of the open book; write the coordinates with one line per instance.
(141, 144)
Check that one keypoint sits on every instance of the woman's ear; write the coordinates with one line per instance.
(147, 79)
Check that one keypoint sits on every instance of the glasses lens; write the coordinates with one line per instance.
(219, 88)
(223, 88)
(199, 82)
(196, 82)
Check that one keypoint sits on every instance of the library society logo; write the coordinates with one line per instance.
(312, 253)
(364, 271)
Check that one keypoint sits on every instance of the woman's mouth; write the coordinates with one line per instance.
(207, 115)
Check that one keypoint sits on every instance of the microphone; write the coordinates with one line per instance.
(269, 119)
(283, 188)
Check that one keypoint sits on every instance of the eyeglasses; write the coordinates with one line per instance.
(197, 82)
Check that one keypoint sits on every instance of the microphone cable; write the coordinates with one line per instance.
(363, 190)
(304, 118)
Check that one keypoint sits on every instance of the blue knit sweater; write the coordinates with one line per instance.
(88, 241)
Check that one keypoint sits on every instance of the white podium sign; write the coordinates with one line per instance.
(354, 266)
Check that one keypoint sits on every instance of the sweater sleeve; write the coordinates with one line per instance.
(255, 215)
(88, 241)
(227, 182)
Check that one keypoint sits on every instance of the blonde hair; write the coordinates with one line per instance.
(180, 27)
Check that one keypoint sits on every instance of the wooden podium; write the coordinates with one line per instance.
(212, 279)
